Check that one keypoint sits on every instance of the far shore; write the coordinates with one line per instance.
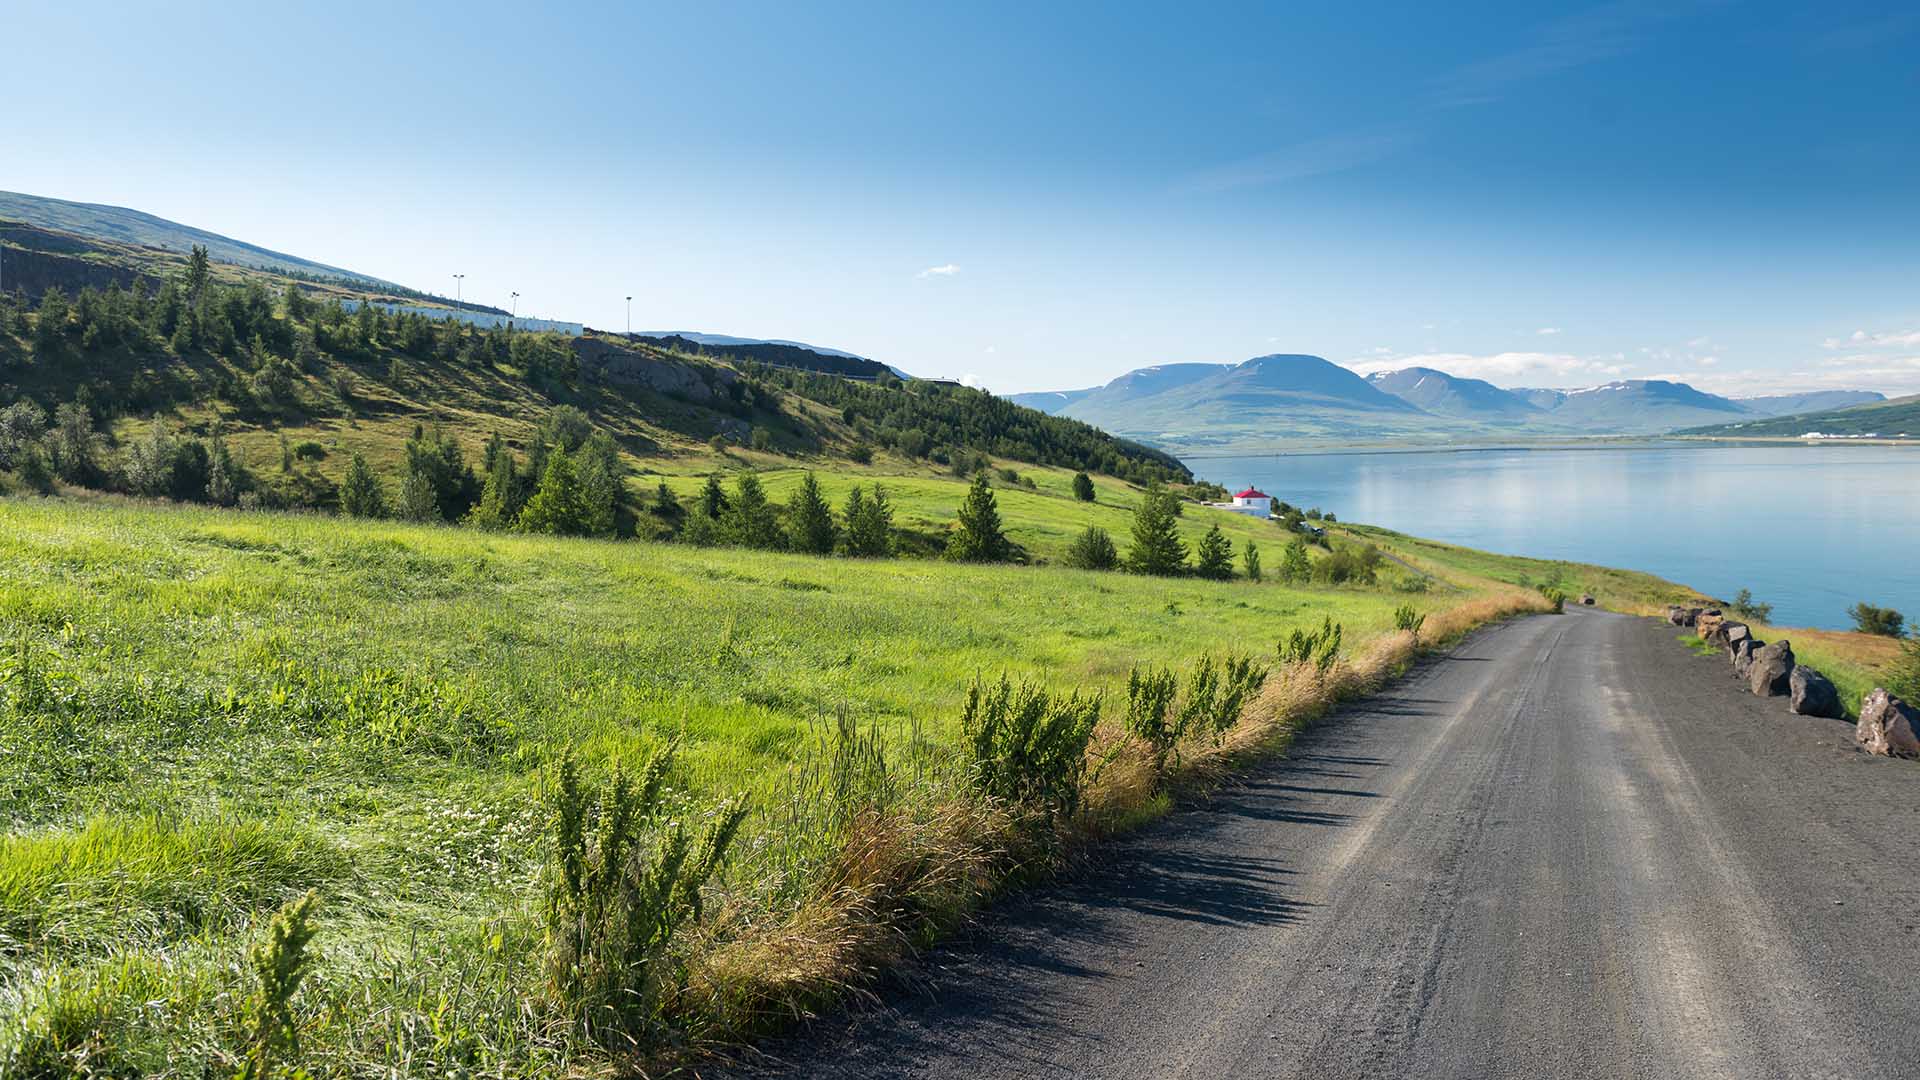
(1598, 442)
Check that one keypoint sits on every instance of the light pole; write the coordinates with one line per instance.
(629, 316)
(513, 308)
(457, 278)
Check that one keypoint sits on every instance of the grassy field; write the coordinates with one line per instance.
(208, 712)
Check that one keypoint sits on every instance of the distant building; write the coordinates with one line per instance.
(1251, 502)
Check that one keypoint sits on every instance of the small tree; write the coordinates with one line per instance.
(749, 519)
(1083, 487)
(149, 463)
(1880, 621)
(1745, 606)
(223, 474)
(556, 507)
(810, 526)
(1214, 556)
(1295, 567)
(600, 484)
(499, 504)
(869, 524)
(1093, 550)
(360, 493)
(416, 495)
(979, 537)
(1250, 556)
(713, 498)
(1157, 547)
(72, 442)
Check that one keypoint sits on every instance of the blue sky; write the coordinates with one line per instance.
(1044, 196)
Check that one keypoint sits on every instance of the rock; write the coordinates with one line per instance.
(1708, 627)
(1742, 653)
(1888, 725)
(1735, 632)
(1770, 672)
(1693, 616)
(1809, 693)
(1587, 599)
(1676, 615)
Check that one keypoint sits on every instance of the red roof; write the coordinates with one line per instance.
(1253, 493)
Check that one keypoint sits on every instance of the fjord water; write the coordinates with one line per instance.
(1810, 529)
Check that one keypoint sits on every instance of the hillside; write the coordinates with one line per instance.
(123, 226)
(1815, 401)
(1893, 418)
(1639, 407)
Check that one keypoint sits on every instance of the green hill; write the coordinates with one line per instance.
(1894, 418)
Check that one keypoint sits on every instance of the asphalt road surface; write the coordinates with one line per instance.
(1570, 848)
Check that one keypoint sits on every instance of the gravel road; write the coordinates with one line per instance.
(1569, 848)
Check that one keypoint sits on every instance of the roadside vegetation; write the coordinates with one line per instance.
(494, 758)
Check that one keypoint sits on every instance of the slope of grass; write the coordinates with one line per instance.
(209, 712)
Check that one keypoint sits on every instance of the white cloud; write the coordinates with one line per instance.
(1504, 369)
(1707, 361)
(991, 349)
(944, 270)
(973, 380)
(1699, 343)
(1860, 339)
(1893, 376)
(1547, 331)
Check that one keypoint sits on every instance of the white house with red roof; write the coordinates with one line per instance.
(1252, 502)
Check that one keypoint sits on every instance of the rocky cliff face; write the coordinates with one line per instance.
(607, 362)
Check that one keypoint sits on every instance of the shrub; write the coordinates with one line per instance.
(1880, 621)
(278, 965)
(624, 883)
(810, 525)
(1317, 647)
(1029, 747)
(1239, 681)
(1903, 675)
(1250, 556)
(1093, 550)
(1410, 620)
(1149, 713)
(1554, 597)
(1360, 566)
(360, 493)
(1295, 567)
(869, 523)
(1083, 487)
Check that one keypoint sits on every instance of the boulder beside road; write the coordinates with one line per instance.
(1770, 671)
(1810, 693)
(1888, 725)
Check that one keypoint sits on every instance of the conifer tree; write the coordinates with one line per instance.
(361, 494)
(979, 537)
(198, 273)
(810, 526)
(1083, 487)
(869, 524)
(600, 484)
(1214, 556)
(1251, 557)
(1093, 550)
(749, 520)
(713, 498)
(665, 503)
(1294, 565)
(556, 507)
(416, 495)
(1157, 547)
(499, 504)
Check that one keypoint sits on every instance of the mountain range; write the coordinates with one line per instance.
(1293, 397)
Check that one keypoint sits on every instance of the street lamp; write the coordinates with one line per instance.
(629, 316)
(457, 278)
(513, 308)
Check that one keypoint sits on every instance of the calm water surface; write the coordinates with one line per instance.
(1809, 529)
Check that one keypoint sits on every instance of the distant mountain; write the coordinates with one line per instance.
(1887, 418)
(1278, 396)
(1051, 402)
(1641, 407)
(1451, 395)
(1818, 401)
(1540, 398)
(125, 226)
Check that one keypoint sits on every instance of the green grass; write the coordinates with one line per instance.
(207, 713)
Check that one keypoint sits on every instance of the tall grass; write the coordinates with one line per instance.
(207, 715)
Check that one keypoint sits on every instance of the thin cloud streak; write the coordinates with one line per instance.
(944, 270)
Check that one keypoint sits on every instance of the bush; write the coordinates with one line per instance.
(1903, 675)
(1093, 550)
(1745, 606)
(1317, 647)
(1880, 621)
(1295, 567)
(1347, 564)
(1029, 747)
(1083, 487)
(1554, 597)
(624, 883)
(1214, 556)
(278, 964)
(1149, 713)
